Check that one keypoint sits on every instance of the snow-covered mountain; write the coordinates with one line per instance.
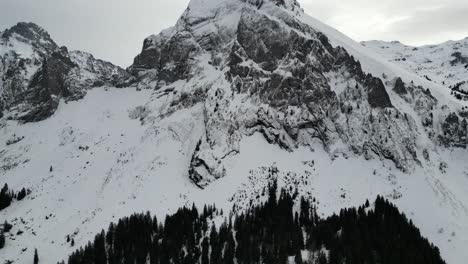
(234, 88)
(445, 64)
(261, 59)
(36, 73)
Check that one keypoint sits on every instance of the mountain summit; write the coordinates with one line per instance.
(31, 34)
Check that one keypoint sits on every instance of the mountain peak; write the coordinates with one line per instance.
(27, 30)
(288, 4)
(32, 34)
(213, 3)
(31, 62)
(209, 8)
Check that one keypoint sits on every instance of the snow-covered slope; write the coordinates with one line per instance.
(234, 88)
(445, 64)
(35, 73)
(108, 165)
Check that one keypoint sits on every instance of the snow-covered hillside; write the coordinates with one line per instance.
(107, 165)
(445, 64)
(234, 88)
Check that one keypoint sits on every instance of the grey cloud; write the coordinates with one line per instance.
(110, 29)
(415, 22)
(433, 25)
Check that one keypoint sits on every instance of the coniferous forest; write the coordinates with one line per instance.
(7, 196)
(284, 229)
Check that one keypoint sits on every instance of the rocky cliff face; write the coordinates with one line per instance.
(255, 66)
(35, 73)
(244, 66)
(445, 65)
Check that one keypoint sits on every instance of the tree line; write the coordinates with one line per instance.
(284, 229)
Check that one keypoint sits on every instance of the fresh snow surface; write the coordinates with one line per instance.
(106, 165)
(436, 62)
(24, 50)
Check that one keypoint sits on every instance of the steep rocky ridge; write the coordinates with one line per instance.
(295, 87)
(35, 73)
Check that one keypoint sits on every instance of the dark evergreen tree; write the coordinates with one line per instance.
(21, 194)
(100, 249)
(5, 197)
(36, 257)
(2, 239)
(215, 243)
(298, 257)
(7, 226)
(321, 258)
(205, 252)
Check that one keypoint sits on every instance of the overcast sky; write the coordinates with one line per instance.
(114, 30)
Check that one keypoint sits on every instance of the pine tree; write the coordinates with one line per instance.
(5, 197)
(215, 246)
(7, 226)
(36, 257)
(100, 249)
(298, 257)
(321, 259)
(230, 248)
(2, 239)
(205, 251)
(21, 194)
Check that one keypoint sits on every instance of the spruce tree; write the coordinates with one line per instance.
(100, 249)
(2, 239)
(7, 226)
(321, 259)
(205, 251)
(5, 197)
(21, 194)
(298, 257)
(36, 257)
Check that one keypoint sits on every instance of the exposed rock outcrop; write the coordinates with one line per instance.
(295, 87)
(35, 73)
